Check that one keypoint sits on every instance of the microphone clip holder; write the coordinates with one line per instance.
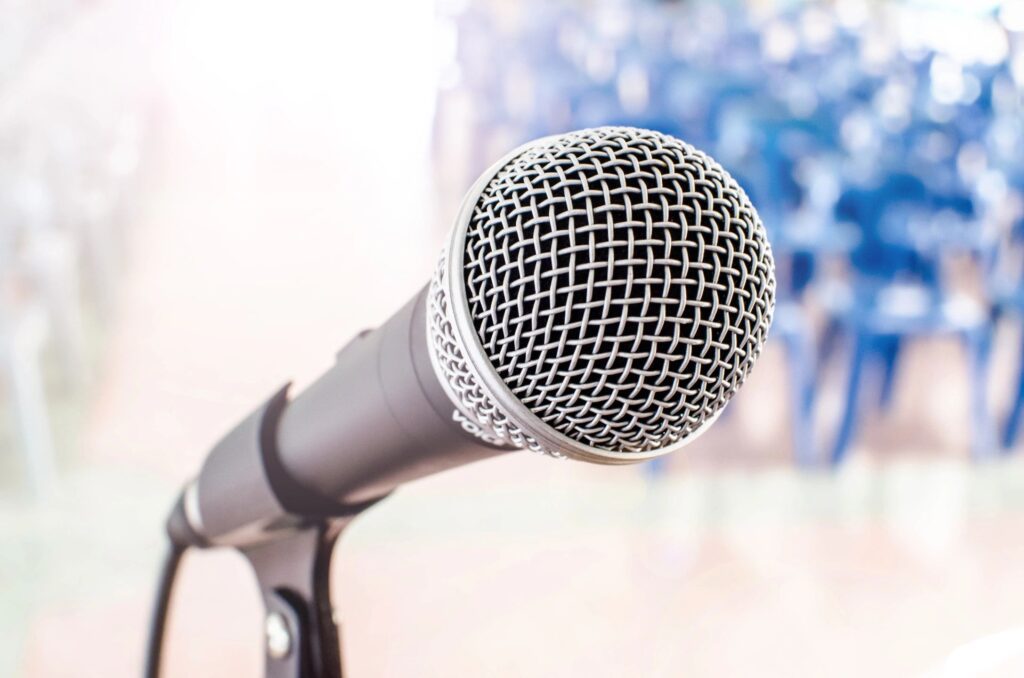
(300, 630)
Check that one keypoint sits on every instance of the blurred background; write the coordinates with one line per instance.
(202, 200)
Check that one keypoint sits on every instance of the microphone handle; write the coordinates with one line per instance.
(378, 418)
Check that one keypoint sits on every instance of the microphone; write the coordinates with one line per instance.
(603, 295)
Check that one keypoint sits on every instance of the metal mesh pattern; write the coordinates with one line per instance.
(620, 284)
(483, 417)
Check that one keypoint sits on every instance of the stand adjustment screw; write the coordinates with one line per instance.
(278, 636)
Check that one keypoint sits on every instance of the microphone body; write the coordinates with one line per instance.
(378, 418)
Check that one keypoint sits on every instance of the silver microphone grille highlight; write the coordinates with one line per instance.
(604, 295)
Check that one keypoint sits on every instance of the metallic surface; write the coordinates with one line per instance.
(190, 503)
(377, 419)
(277, 636)
(604, 295)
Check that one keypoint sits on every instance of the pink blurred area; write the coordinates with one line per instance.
(288, 197)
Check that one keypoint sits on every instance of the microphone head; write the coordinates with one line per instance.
(603, 296)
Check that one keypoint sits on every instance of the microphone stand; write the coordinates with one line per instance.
(293, 572)
(291, 558)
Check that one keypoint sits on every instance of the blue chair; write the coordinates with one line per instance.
(1006, 292)
(1010, 299)
(897, 295)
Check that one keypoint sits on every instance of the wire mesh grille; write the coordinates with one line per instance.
(620, 284)
(483, 416)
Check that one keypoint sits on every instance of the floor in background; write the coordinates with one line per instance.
(526, 566)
